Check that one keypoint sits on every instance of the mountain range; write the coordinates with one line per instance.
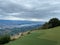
(17, 26)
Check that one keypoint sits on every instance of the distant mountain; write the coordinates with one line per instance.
(19, 22)
(17, 26)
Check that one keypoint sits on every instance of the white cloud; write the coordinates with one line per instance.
(15, 18)
(12, 14)
(55, 11)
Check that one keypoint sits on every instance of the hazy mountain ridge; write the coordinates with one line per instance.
(15, 23)
(15, 26)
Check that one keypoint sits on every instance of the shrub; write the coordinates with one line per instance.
(4, 39)
(45, 26)
(28, 32)
(22, 34)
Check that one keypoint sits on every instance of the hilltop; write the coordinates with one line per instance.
(40, 37)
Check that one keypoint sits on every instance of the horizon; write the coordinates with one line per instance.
(24, 20)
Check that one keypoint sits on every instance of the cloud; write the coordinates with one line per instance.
(33, 10)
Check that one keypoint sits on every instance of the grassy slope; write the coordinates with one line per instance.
(40, 37)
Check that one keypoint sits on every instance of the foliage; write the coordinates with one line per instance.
(4, 39)
(29, 32)
(45, 26)
(54, 22)
(51, 23)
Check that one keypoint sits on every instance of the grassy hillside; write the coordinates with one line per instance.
(40, 37)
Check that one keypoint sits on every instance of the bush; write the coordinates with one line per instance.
(4, 39)
(28, 32)
(45, 26)
(22, 34)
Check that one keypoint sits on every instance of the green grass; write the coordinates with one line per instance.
(40, 37)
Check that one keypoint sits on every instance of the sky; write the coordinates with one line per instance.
(31, 10)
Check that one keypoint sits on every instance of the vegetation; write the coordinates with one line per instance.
(44, 36)
(40, 37)
(4, 39)
(28, 32)
(54, 22)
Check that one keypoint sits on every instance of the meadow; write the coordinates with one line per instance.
(39, 37)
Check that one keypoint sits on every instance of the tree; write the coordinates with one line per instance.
(51, 23)
(54, 22)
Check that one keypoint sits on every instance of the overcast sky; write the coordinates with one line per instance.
(33, 10)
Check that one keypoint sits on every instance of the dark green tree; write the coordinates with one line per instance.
(51, 23)
(54, 22)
